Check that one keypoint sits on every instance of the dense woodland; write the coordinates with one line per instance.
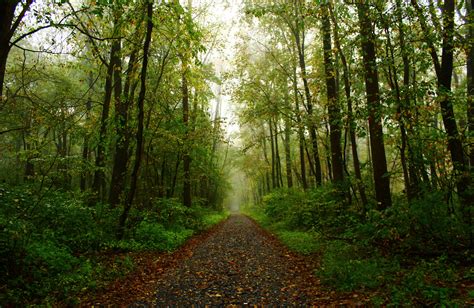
(355, 142)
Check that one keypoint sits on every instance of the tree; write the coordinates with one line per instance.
(8, 25)
(332, 97)
(140, 124)
(379, 161)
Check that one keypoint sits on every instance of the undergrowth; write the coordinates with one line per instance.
(412, 253)
(51, 246)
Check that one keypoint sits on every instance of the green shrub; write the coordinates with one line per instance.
(424, 226)
(212, 218)
(423, 285)
(154, 236)
(344, 269)
(301, 241)
(44, 238)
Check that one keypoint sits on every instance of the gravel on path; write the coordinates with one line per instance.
(240, 264)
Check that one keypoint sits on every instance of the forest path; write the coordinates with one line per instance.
(241, 264)
(235, 263)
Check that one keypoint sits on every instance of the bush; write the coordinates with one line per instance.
(424, 226)
(424, 285)
(44, 240)
(153, 236)
(369, 251)
(302, 242)
(343, 268)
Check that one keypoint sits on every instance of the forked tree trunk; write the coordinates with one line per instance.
(141, 115)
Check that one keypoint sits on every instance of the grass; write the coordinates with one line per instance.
(349, 265)
(302, 242)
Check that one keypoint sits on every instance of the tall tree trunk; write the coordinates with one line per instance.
(301, 141)
(470, 79)
(98, 185)
(379, 161)
(394, 85)
(120, 121)
(350, 113)
(141, 115)
(333, 101)
(312, 127)
(85, 146)
(415, 159)
(273, 160)
(187, 201)
(277, 157)
(123, 101)
(444, 72)
(287, 143)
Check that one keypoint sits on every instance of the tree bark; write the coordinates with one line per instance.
(123, 101)
(444, 72)
(277, 156)
(98, 185)
(85, 146)
(312, 127)
(301, 141)
(350, 115)
(287, 144)
(187, 199)
(8, 26)
(273, 160)
(470, 79)
(333, 101)
(141, 115)
(379, 161)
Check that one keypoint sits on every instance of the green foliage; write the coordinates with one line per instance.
(392, 249)
(44, 241)
(300, 241)
(426, 284)
(317, 209)
(156, 237)
(422, 226)
(344, 268)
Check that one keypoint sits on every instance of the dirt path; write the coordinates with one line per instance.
(235, 263)
(240, 264)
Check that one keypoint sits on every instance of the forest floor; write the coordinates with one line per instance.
(235, 263)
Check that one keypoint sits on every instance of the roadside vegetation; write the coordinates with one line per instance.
(55, 247)
(410, 254)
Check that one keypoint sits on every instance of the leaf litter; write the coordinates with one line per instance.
(236, 263)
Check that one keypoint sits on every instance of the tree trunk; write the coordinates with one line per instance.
(98, 186)
(277, 157)
(7, 13)
(273, 160)
(85, 146)
(444, 72)
(8, 27)
(141, 115)
(393, 82)
(300, 45)
(122, 105)
(350, 115)
(287, 142)
(470, 80)
(414, 160)
(301, 140)
(187, 201)
(379, 161)
(333, 101)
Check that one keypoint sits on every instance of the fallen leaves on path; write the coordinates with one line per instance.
(236, 263)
